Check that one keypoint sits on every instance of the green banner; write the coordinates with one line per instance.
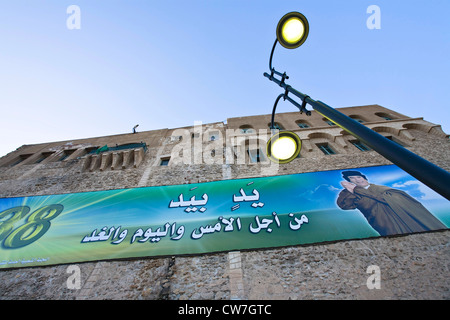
(217, 216)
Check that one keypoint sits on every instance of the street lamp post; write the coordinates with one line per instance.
(433, 176)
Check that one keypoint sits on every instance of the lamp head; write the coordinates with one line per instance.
(292, 30)
(283, 147)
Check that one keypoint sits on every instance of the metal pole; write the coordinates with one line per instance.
(433, 176)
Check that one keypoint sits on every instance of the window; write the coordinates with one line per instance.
(383, 115)
(276, 126)
(326, 149)
(90, 150)
(256, 155)
(21, 158)
(164, 162)
(213, 136)
(357, 118)
(66, 154)
(361, 146)
(175, 138)
(302, 125)
(394, 140)
(329, 122)
(246, 129)
(44, 156)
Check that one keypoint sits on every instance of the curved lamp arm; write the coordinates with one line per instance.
(272, 70)
(272, 123)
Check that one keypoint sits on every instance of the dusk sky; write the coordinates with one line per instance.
(167, 64)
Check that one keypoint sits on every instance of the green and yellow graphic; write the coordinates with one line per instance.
(195, 218)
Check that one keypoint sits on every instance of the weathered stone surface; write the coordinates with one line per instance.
(411, 267)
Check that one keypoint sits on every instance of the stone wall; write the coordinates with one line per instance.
(411, 266)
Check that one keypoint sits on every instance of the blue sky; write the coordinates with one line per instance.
(166, 64)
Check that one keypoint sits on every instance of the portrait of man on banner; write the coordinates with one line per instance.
(389, 211)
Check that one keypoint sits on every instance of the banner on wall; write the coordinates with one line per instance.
(217, 216)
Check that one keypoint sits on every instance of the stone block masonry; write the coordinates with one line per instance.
(412, 266)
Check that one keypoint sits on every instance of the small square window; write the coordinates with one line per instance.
(21, 158)
(246, 129)
(66, 154)
(164, 162)
(356, 118)
(44, 156)
(326, 149)
(302, 125)
(394, 140)
(256, 155)
(385, 116)
(361, 146)
(214, 135)
(276, 126)
(175, 138)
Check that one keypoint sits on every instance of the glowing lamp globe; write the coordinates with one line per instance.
(292, 30)
(283, 147)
